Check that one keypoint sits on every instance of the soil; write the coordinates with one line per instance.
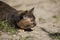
(47, 13)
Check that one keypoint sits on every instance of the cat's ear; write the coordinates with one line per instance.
(22, 12)
(31, 10)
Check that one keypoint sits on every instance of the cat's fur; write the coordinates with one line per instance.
(21, 19)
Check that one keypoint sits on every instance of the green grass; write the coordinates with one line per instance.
(42, 20)
(56, 37)
(6, 27)
(55, 16)
(53, 1)
(27, 38)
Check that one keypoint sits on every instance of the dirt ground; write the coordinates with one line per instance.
(47, 13)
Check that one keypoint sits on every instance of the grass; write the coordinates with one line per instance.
(42, 20)
(56, 37)
(6, 27)
(53, 1)
(27, 38)
(55, 16)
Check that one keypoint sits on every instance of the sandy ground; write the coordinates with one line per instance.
(44, 12)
